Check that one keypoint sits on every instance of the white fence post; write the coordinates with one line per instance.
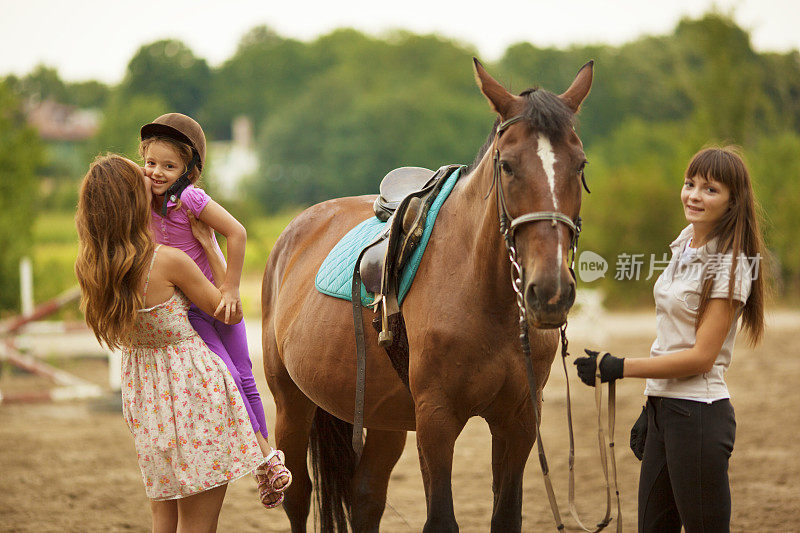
(114, 370)
(26, 285)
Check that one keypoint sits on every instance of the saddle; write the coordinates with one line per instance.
(401, 183)
(406, 195)
(398, 184)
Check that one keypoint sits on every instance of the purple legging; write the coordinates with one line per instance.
(230, 344)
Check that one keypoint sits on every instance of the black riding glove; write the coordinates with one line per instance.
(610, 367)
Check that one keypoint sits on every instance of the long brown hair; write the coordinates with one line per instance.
(738, 231)
(115, 247)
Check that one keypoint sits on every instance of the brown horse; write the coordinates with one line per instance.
(462, 321)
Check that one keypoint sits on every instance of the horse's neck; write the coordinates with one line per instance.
(474, 240)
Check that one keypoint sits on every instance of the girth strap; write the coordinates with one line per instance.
(361, 364)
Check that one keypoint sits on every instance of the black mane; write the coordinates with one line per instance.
(546, 114)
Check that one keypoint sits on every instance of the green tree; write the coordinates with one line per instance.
(780, 82)
(169, 70)
(20, 155)
(775, 171)
(633, 80)
(720, 74)
(378, 105)
(88, 94)
(43, 83)
(635, 176)
(123, 117)
(265, 73)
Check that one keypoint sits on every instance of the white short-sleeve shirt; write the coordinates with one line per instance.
(677, 297)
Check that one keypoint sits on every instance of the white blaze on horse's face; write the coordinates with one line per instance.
(548, 158)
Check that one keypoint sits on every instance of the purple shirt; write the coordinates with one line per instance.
(175, 230)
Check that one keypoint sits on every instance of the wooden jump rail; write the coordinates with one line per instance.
(69, 386)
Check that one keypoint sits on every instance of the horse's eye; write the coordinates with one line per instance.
(505, 167)
(582, 167)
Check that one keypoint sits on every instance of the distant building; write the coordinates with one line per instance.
(233, 160)
(61, 122)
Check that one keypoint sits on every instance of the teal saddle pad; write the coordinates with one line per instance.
(335, 276)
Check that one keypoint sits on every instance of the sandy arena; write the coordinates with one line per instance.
(72, 466)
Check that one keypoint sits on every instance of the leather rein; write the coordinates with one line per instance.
(508, 226)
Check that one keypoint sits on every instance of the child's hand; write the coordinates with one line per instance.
(230, 302)
(201, 231)
(231, 318)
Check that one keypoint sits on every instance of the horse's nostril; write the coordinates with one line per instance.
(530, 295)
(571, 293)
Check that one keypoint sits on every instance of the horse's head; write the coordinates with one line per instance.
(538, 163)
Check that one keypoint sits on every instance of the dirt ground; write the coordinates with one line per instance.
(72, 466)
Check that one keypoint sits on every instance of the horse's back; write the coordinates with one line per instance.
(317, 229)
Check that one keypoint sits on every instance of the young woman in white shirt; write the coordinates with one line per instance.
(714, 278)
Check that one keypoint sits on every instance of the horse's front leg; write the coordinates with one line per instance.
(382, 449)
(438, 427)
(513, 435)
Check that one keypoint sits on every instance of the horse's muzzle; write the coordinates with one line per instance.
(548, 302)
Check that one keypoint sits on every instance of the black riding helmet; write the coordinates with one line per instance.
(183, 129)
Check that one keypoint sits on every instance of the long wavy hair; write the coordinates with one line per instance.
(115, 247)
(738, 231)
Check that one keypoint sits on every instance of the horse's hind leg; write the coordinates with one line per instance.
(512, 439)
(382, 449)
(294, 415)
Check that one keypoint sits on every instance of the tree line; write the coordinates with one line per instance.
(333, 115)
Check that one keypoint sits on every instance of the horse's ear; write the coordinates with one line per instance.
(574, 96)
(499, 98)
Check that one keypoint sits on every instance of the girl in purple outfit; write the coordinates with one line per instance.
(173, 149)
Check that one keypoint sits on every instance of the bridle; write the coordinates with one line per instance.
(509, 224)
(508, 227)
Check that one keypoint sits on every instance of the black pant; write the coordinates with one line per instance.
(684, 476)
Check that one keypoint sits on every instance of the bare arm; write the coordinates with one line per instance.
(236, 236)
(179, 269)
(204, 235)
(697, 359)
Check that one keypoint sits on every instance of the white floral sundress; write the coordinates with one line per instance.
(189, 425)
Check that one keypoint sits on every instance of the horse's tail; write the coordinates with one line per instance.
(333, 462)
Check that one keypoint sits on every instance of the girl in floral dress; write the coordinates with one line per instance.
(191, 430)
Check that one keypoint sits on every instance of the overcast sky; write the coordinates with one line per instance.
(95, 39)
